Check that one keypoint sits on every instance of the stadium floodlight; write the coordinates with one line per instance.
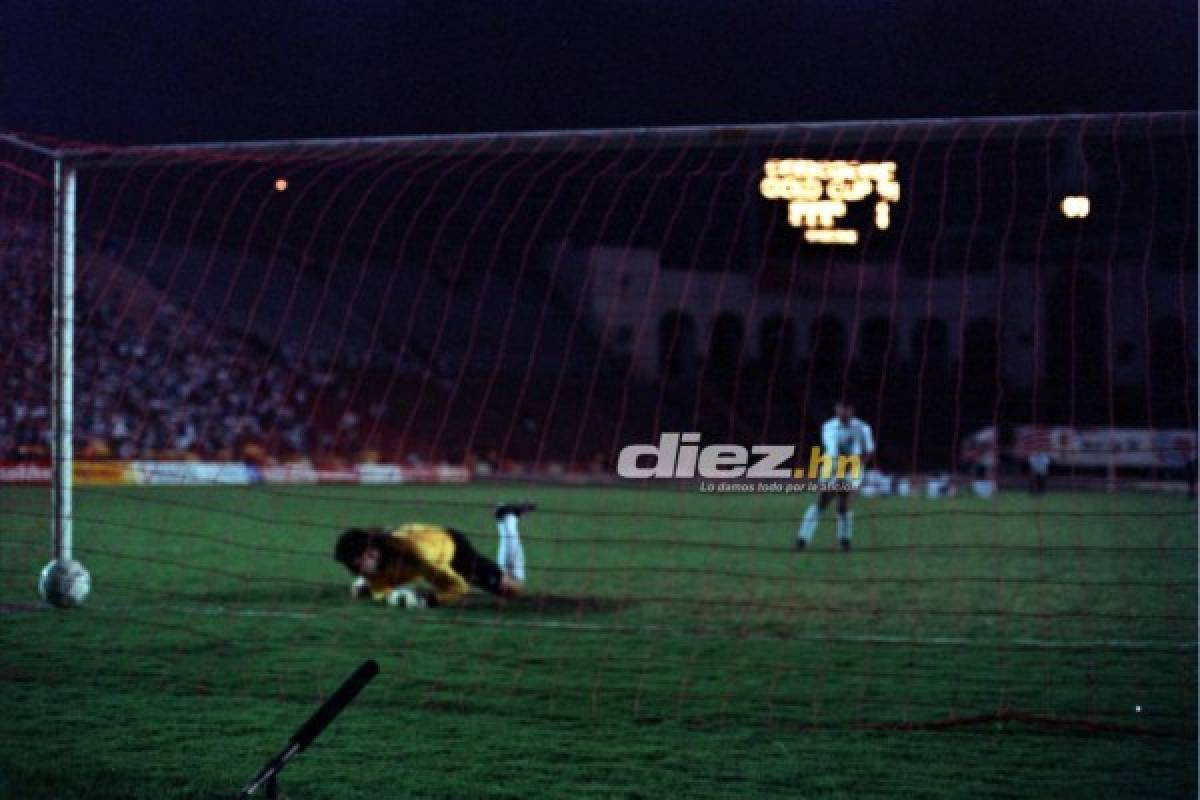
(1075, 206)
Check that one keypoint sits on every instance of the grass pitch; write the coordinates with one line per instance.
(672, 645)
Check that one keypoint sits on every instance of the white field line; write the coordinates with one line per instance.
(600, 627)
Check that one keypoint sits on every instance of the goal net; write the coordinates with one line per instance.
(276, 341)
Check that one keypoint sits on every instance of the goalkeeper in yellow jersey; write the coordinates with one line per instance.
(386, 560)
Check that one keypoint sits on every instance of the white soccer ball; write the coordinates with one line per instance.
(405, 598)
(64, 583)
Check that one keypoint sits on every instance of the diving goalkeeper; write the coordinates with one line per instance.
(386, 561)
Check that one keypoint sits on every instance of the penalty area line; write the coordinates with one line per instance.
(225, 611)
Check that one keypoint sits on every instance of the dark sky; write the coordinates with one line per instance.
(191, 70)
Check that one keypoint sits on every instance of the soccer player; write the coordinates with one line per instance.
(385, 561)
(1039, 470)
(842, 435)
(509, 553)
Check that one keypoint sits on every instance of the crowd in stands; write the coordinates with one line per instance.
(160, 375)
(153, 380)
(160, 385)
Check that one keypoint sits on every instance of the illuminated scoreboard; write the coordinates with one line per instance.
(818, 194)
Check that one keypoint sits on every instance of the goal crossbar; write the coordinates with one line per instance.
(544, 141)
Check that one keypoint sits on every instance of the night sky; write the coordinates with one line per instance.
(192, 70)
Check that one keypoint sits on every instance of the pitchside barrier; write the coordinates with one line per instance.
(216, 473)
(931, 486)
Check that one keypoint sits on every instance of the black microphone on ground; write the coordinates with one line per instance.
(312, 727)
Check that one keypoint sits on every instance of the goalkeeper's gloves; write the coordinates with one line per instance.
(407, 598)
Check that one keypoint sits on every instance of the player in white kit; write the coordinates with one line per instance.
(843, 435)
(509, 553)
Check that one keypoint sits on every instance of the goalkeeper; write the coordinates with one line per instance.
(386, 561)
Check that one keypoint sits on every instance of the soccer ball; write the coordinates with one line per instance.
(405, 598)
(64, 583)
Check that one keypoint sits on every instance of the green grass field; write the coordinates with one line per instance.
(672, 645)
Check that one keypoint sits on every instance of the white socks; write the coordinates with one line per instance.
(808, 528)
(510, 555)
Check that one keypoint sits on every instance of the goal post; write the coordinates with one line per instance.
(63, 582)
(63, 397)
(35, 167)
